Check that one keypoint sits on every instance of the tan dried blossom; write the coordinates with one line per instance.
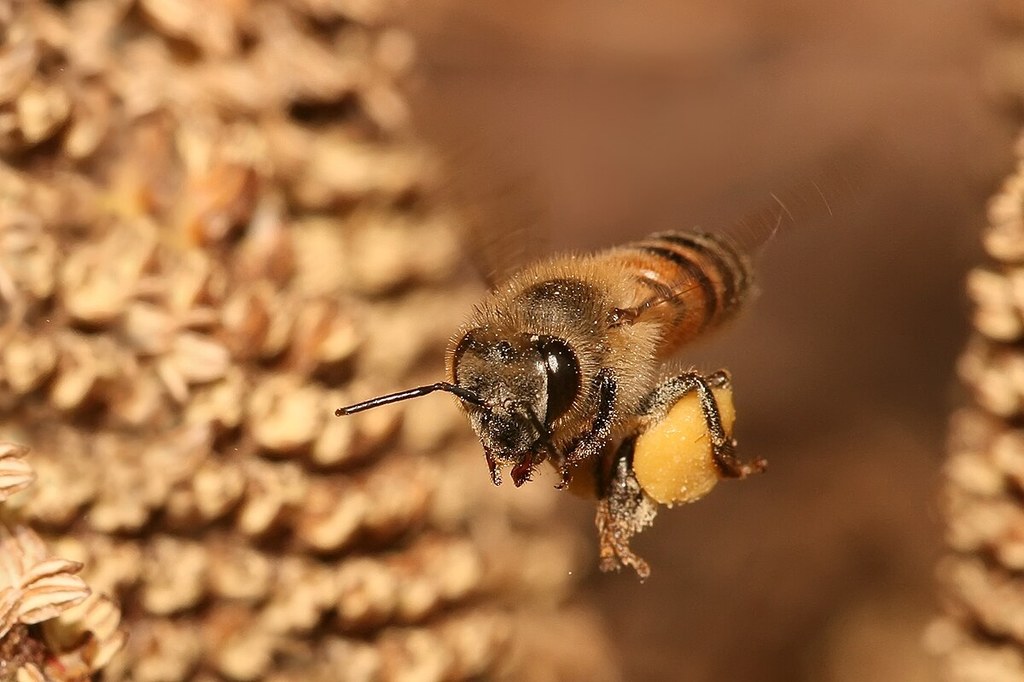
(317, 69)
(383, 257)
(41, 110)
(112, 565)
(267, 254)
(96, 622)
(332, 515)
(173, 575)
(10, 596)
(97, 282)
(192, 359)
(256, 322)
(18, 60)
(323, 337)
(88, 367)
(190, 286)
(285, 414)
(15, 473)
(37, 585)
(320, 249)
(400, 495)
(241, 573)
(245, 654)
(274, 491)
(367, 594)
(90, 121)
(27, 362)
(1002, 237)
(220, 404)
(341, 660)
(68, 480)
(335, 444)
(303, 591)
(998, 297)
(28, 256)
(209, 25)
(215, 490)
(173, 650)
(341, 170)
(219, 203)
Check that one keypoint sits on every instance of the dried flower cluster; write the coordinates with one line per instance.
(982, 636)
(212, 233)
(76, 630)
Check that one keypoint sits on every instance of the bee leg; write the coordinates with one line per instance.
(493, 467)
(565, 472)
(623, 510)
(731, 467)
(723, 448)
(591, 445)
(725, 455)
(561, 463)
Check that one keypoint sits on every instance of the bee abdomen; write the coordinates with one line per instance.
(694, 280)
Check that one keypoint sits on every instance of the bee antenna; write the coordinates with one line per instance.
(458, 391)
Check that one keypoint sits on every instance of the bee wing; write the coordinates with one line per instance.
(492, 190)
(495, 211)
(737, 246)
(812, 202)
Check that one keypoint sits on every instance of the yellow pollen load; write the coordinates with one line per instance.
(672, 461)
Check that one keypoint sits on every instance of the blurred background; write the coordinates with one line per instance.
(596, 122)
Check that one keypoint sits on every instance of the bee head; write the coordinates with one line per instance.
(524, 384)
(513, 389)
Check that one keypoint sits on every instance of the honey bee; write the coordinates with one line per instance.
(563, 362)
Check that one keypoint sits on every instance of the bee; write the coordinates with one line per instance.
(564, 362)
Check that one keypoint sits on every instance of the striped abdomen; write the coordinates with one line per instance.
(691, 280)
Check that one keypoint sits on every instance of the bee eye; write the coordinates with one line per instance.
(563, 375)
